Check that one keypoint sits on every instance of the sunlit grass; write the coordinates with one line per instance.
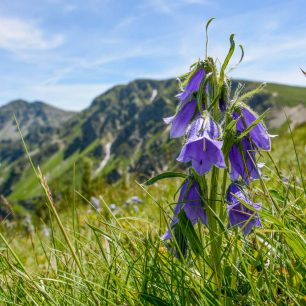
(117, 258)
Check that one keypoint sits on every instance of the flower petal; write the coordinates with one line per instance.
(243, 163)
(192, 86)
(181, 120)
(258, 134)
(238, 213)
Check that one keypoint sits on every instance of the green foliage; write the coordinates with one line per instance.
(86, 179)
(122, 116)
(124, 262)
(163, 176)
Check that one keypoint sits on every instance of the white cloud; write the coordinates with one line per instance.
(18, 35)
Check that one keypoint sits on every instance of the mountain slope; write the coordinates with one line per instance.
(120, 134)
(40, 125)
(30, 116)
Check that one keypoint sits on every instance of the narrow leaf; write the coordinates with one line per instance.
(250, 93)
(227, 59)
(248, 129)
(240, 60)
(190, 234)
(163, 176)
(206, 33)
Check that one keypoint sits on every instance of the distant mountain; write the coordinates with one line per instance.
(121, 134)
(31, 116)
(40, 124)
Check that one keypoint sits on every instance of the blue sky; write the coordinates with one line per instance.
(67, 52)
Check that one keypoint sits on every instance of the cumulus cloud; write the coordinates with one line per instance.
(20, 35)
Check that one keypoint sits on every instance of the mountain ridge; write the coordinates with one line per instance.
(121, 133)
(37, 113)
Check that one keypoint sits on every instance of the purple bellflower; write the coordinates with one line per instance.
(95, 202)
(190, 202)
(180, 121)
(238, 213)
(112, 207)
(192, 86)
(201, 147)
(243, 162)
(259, 134)
(136, 200)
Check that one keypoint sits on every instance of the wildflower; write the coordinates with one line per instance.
(243, 163)
(259, 134)
(201, 147)
(112, 207)
(45, 231)
(238, 213)
(192, 86)
(190, 202)
(136, 199)
(136, 208)
(95, 202)
(180, 121)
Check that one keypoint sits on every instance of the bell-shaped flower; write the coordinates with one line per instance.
(180, 121)
(201, 147)
(258, 134)
(192, 86)
(190, 202)
(243, 162)
(238, 213)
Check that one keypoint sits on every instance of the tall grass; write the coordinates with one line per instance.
(107, 258)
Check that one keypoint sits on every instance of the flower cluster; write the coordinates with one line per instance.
(220, 132)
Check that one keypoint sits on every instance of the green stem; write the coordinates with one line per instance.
(234, 260)
(214, 229)
(222, 212)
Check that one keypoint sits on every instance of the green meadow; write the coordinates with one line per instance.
(70, 253)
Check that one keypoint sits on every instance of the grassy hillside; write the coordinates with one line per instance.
(287, 95)
(121, 133)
